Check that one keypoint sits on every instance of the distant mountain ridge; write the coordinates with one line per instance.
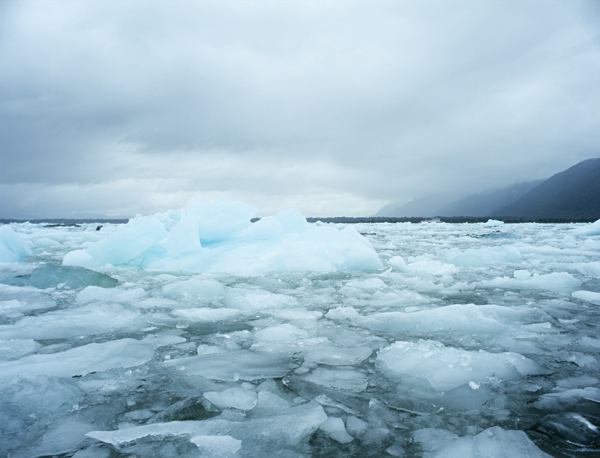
(574, 193)
(571, 194)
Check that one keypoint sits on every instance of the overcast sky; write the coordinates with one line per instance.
(332, 107)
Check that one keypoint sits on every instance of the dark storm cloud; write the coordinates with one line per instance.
(334, 107)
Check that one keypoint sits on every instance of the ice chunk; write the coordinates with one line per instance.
(368, 284)
(127, 243)
(17, 348)
(589, 229)
(219, 220)
(287, 428)
(430, 266)
(95, 293)
(62, 437)
(88, 358)
(494, 441)
(194, 290)
(555, 281)
(268, 404)
(87, 320)
(587, 296)
(477, 257)
(570, 427)
(284, 332)
(336, 430)
(233, 398)
(468, 318)
(337, 356)
(217, 446)
(521, 274)
(184, 238)
(193, 408)
(591, 269)
(51, 275)
(355, 425)
(229, 243)
(568, 399)
(446, 368)
(12, 247)
(233, 366)
(397, 262)
(206, 314)
(493, 222)
(340, 379)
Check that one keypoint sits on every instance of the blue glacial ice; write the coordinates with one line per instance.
(219, 237)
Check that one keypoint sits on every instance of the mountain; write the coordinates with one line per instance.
(486, 202)
(572, 194)
(425, 207)
(481, 204)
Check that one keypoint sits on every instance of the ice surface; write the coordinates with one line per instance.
(446, 368)
(217, 446)
(587, 296)
(589, 229)
(273, 339)
(494, 441)
(234, 398)
(88, 358)
(337, 430)
(12, 247)
(234, 365)
(286, 428)
(218, 237)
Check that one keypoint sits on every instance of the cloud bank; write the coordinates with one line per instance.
(335, 108)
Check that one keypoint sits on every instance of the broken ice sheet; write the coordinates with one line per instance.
(286, 428)
(235, 365)
(93, 357)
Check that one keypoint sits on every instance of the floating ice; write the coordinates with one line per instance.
(218, 237)
(589, 229)
(446, 368)
(17, 348)
(87, 320)
(555, 281)
(477, 257)
(217, 446)
(568, 399)
(339, 379)
(572, 428)
(232, 366)
(337, 430)
(288, 355)
(12, 247)
(286, 428)
(587, 296)
(494, 442)
(88, 358)
(234, 398)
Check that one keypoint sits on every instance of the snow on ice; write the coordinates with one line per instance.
(199, 333)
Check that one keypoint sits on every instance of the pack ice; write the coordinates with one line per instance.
(219, 237)
(198, 333)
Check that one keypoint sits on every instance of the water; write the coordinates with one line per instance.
(467, 327)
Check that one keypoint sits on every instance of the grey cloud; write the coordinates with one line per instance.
(402, 98)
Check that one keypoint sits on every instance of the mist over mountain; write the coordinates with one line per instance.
(427, 206)
(484, 203)
(574, 193)
(480, 204)
(571, 194)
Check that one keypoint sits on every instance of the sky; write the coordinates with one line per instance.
(332, 107)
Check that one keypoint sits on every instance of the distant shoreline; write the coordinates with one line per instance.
(335, 219)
